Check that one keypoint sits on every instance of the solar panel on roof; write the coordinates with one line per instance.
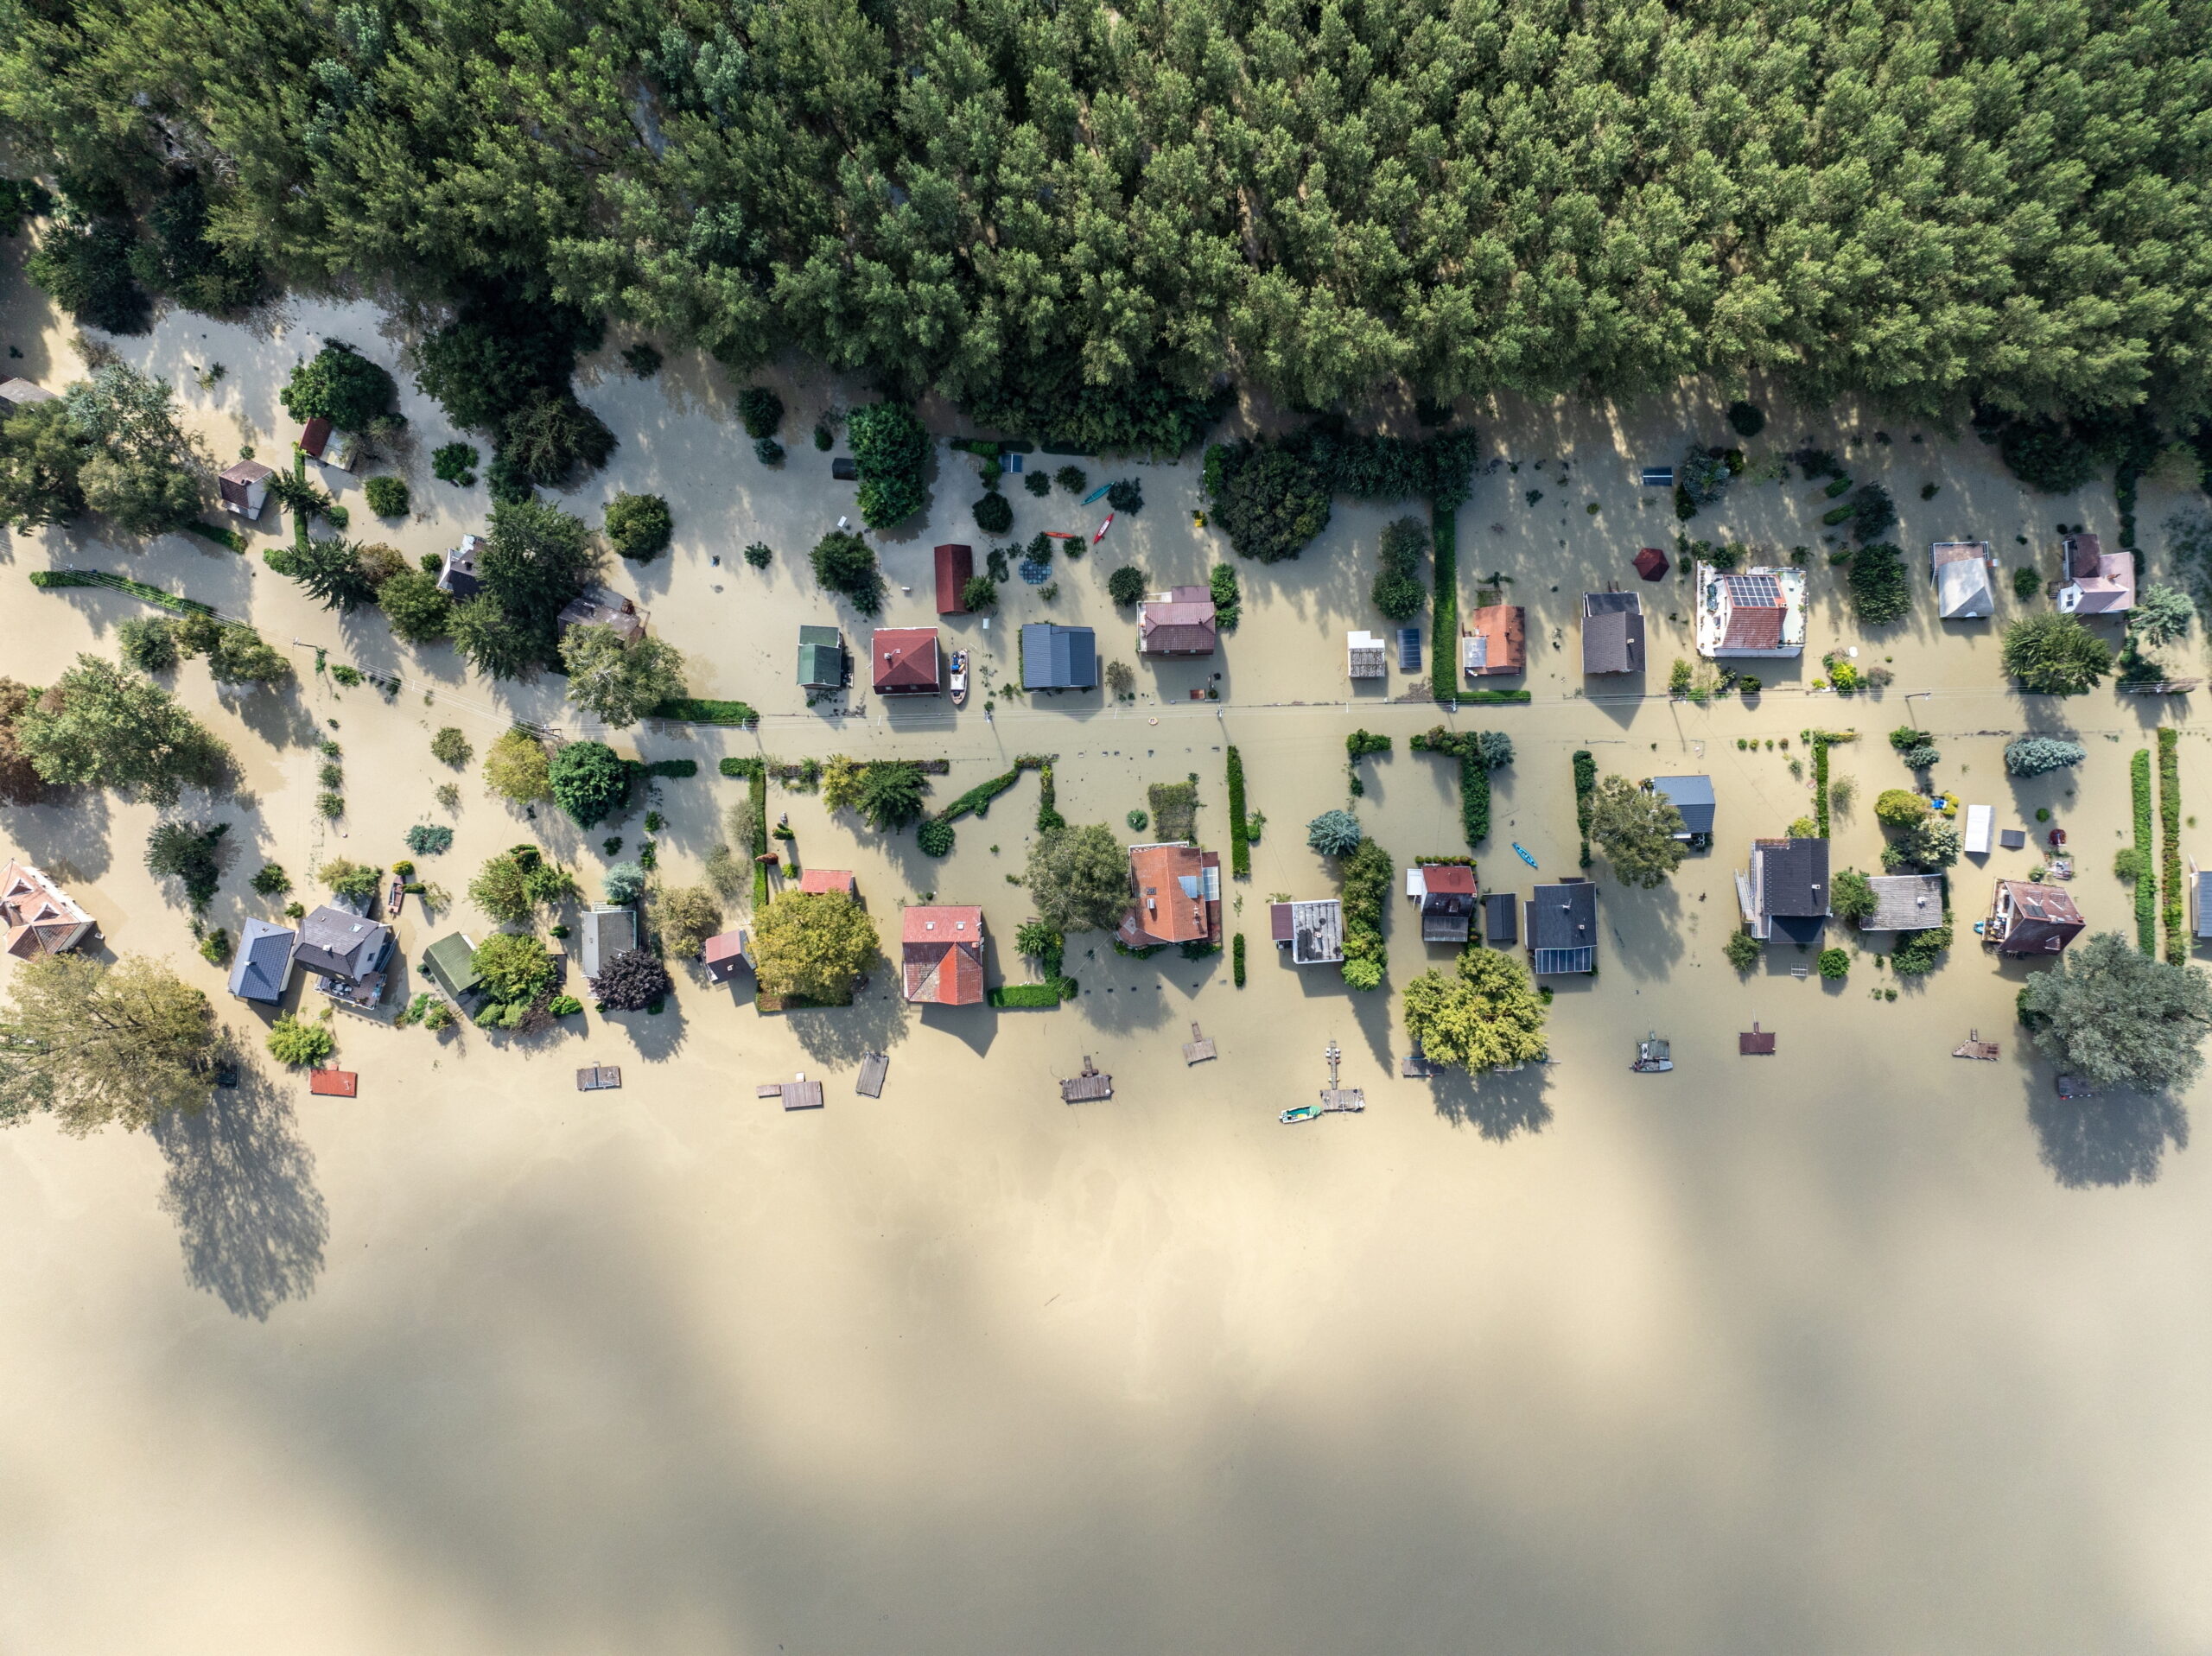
(1549, 960)
(1755, 591)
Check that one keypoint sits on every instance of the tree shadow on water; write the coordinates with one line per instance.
(2111, 1139)
(241, 1188)
(1498, 1107)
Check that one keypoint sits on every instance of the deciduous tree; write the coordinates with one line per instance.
(1633, 825)
(2118, 1018)
(1079, 878)
(92, 1043)
(1484, 1015)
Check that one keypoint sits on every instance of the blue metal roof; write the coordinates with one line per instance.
(1058, 659)
(1409, 649)
(264, 961)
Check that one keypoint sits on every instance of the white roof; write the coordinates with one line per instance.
(1982, 820)
(1962, 588)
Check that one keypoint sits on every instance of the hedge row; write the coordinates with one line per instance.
(2170, 899)
(692, 710)
(977, 802)
(1586, 783)
(1491, 698)
(1820, 741)
(1240, 832)
(217, 533)
(49, 579)
(1236, 960)
(1029, 995)
(1049, 819)
(1444, 625)
(2146, 885)
(671, 768)
(745, 767)
(1474, 776)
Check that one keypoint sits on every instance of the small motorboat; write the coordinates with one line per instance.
(1301, 1112)
(1521, 851)
(1652, 1055)
(398, 896)
(959, 678)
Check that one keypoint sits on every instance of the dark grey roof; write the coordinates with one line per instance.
(2204, 902)
(264, 966)
(1691, 796)
(341, 945)
(1563, 926)
(1058, 659)
(1793, 879)
(1612, 632)
(1501, 918)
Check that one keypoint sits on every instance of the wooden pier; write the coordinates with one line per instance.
(798, 1094)
(1088, 1087)
(1975, 1047)
(1338, 1098)
(1199, 1047)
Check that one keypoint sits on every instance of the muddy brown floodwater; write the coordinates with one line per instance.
(1854, 1348)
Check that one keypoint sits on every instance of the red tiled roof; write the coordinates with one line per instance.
(1504, 629)
(829, 880)
(1753, 629)
(333, 1083)
(906, 659)
(1446, 879)
(955, 564)
(1652, 564)
(942, 954)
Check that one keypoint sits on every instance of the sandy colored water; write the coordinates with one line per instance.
(1856, 1348)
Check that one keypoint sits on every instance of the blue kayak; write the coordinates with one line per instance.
(1098, 493)
(1523, 852)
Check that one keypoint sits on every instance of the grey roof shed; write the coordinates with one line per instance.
(1055, 658)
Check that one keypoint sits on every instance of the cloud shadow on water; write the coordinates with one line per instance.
(241, 1187)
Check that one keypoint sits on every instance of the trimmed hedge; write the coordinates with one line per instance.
(691, 710)
(934, 835)
(2146, 887)
(46, 580)
(1049, 819)
(1444, 606)
(1240, 835)
(671, 768)
(1474, 776)
(1236, 960)
(2170, 899)
(1491, 698)
(1018, 996)
(1821, 740)
(1586, 783)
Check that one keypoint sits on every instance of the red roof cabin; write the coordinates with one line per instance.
(1177, 895)
(830, 879)
(1652, 564)
(315, 437)
(941, 955)
(1182, 621)
(954, 565)
(2026, 918)
(905, 661)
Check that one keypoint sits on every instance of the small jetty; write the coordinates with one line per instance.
(1975, 1047)
(873, 1068)
(1415, 1066)
(1088, 1087)
(1653, 1055)
(333, 1083)
(798, 1093)
(1336, 1099)
(1755, 1043)
(599, 1078)
(1199, 1047)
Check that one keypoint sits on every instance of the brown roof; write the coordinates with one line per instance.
(2044, 919)
(333, 1083)
(1443, 879)
(1183, 623)
(830, 879)
(1753, 628)
(905, 660)
(955, 564)
(724, 955)
(1504, 629)
(40, 916)
(1171, 904)
(315, 436)
(942, 954)
(2084, 554)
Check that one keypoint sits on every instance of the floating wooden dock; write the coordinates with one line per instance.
(1975, 1047)
(1414, 1067)
(599, 1078)
(798, 1094)
(1755, 1043)
(873, 1068)
(1088, 1087)
(1199, 1048)
(1334, 1097)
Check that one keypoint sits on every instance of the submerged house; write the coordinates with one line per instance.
(906, 661)
(1447, 892)
(41, 918)
(1692, 797)
(1054, 657)
(598, 606)
(725, 954)
(2097, 582)
(263, 967)
(1905, 903)
(459, 578)
(1177, 898)
(244, 488)
(450, 964)
(347, 952)
(956, 565)
(1366, 655)
(21, 394)
(1178, 622)
(1563, 929)
(821, 664)
(1964, 587)
(1494, 641)
(320, 441)
(839, 880)
(2200, 900)
(1313, 932)
(1784, 893)
(941, 955)
(1612, 634)
(1501, 920)
(604, 930)
(2025, 919)
(1751, 612)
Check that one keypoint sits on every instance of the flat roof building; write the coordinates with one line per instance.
(1313, 932)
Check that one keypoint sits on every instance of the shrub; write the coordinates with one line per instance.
(295, 1043)
(2027, 581)
(994, 514)
(2046, 456)
(935, 837)
(1916, 953)
(341, 385)
(1137, 820)
(387, 496)
(1920, 759)
(768, 451)
(1873, 513)
(1899, 808)
(760, 555)
(1904, 736)
(515, 966)
(516, 768)
(1746, 419)
(1835, 965)
(1700, 480)
(980, 592)
(1367, 873)
(2129, 864)
(2031, 756)
(552, 436)
(1228, 598)
(632, 981)
(762, 410)
(844, 563)
(418, 611)
(272, 880)
(623, 882)
(1851, 896)
(185, 851)
(1880, 591)
(147, 643)
(455, 463)
(1742, 949)
(1126, 497)
(1236, 960)
(588, 782)
(1072, 480)
(643, 360)
(889, 451)
(1125, 584)
(430, 839)
(638, 525)
(450, 747)
(1037, 483)
(1334, 833)
(1398, 591)
(356, 882)
(1240, 829)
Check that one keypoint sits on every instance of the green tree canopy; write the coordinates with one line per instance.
(890, 795)
(92, 1043)
(620, 681)
(812, 943)
(588, 782)
(2056, 654)
(845, 564)
(1334, 833)
(338, 383)
(102, 726)
(2117, 1017)
(1634, 827)
(1485, 1015)
(1079, 878)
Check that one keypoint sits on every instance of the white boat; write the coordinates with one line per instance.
(959, 678)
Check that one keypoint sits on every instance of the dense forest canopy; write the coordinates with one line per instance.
(1075, 220)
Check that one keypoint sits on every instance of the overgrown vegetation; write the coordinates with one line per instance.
(1478, 754)
(2146, 886)
(2172, 901)
(1240, 831)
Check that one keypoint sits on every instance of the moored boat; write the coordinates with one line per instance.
(1653, 1055)
(1301, 1112)
(959, 678)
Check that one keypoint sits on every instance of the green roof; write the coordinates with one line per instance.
(451, 962)
(820, 657)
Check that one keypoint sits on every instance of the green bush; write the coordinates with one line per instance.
(845, 564)
(2027, 581)
(2056, 654)
(1269, 500)
(515, 966)
(935, 837)
(994, 514)
(1072, 480)
(2172, 907)
(1367, 875)
(638, 525)
(588, 782)
(1398, 593)
(295, 1043)
(1334, 833)
(1742, 949)
(147, 643)
(762, 410)
(1125, 496)
(387, 496)
(341, 385)
(1880, 591)
(455, 463)
(889, 449)
(1228, 598)
(768, 451)
(2046, 456)
(2032, 756)
(1834, 964)
(1746, 419)
(1240, 831)
(1236, 960)
(1037, 483)
(2146, 891)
